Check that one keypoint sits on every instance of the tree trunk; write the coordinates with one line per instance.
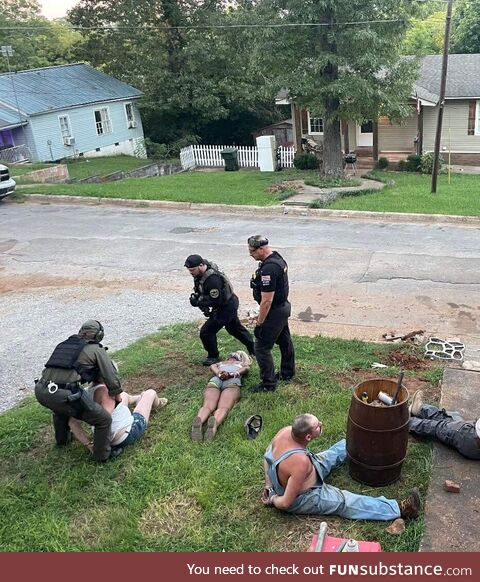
(332, 142)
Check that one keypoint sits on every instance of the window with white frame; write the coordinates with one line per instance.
(102, 121)
(315, 124)
(64, 122)
(130, 114)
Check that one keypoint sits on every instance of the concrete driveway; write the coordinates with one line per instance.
(61, 264)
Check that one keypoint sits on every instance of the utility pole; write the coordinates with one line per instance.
(441, 102)
(7, 51)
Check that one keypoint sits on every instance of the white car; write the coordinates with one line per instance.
(7, 184)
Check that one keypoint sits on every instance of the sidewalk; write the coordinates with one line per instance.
(452, 520)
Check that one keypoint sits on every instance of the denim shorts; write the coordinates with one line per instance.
(222, 384)
(137, 429)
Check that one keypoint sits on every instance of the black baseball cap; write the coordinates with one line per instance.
(193, 261)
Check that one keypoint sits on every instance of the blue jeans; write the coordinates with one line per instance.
(328, 500)
(137, 429)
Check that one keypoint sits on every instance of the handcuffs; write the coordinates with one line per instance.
(270, 491)
(52, 387)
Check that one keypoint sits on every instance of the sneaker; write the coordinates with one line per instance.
(197, 430)
(262, 388)
(416, 403)
(410, 507)
(211, 429)
(209, 361)
(159, 403)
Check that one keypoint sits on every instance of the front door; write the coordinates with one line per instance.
(365, 134)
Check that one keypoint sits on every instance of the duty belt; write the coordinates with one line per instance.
(279, 305)
(54, 386)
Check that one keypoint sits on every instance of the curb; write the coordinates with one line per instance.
(258, 210)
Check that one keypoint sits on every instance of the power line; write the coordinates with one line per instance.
(213, 26)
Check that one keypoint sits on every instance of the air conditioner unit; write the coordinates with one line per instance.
(68, 141)
(132, 124)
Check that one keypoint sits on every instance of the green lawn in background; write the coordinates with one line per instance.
(411, 193)
(84, 168)
(20, 169)
(167, 493)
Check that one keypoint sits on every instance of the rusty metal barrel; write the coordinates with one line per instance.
(377, 436)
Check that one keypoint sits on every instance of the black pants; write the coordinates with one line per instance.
(275, 330)
(63, 409)
(225, 316)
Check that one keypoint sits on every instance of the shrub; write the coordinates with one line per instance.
(426, 163)
(382, 163)
(155, 150)
(411, 164)
(183, 142)
(305, 161)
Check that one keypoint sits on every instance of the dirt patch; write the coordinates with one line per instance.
(405, 360)
(172, 516)
(296, 185)
(297, 533)
(144, 381)
(431, 394)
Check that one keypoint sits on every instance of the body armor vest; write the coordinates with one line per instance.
(227, 290)
(281, 292)
(66, 353)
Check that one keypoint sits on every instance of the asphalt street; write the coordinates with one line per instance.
(61, 264)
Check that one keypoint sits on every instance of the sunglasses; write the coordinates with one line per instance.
(234, 357)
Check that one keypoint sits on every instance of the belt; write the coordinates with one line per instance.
(279, 305)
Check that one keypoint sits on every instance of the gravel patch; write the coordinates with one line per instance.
(34, 323)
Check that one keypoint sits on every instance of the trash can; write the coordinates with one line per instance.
(230, 158)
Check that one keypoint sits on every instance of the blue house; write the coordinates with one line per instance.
(66, 111)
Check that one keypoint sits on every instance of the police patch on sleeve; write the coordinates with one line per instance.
(214, 293)
(266, 280)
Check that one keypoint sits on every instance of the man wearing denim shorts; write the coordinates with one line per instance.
(127, 427)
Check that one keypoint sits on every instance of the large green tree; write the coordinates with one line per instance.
(196, 79)
(347, 69)
(466, 27)
(36, 41)
(425, 37)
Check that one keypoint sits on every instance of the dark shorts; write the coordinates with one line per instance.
(139, 426)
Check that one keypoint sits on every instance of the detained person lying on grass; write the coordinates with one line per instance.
(127, 427)
(220, 395)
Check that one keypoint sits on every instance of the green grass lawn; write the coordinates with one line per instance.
(411, 193)
(217, 187)
(167, 493)
(84, 168)
(17, 170)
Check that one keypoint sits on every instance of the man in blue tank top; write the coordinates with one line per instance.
(294, 479)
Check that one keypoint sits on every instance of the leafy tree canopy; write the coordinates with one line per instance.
(466, 27)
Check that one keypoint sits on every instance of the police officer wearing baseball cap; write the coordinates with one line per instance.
(270, 289)
(79, 359)
(213, 295)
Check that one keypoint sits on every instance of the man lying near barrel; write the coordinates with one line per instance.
(294, 479)
(448, 427)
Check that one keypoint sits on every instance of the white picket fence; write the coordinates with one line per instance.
(210, 156)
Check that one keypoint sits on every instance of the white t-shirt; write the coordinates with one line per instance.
(122, 420)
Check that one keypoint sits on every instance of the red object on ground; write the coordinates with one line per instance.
(331, 544)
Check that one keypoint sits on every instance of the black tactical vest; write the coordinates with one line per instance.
(227, 290)
(281, 292)
(66, 353)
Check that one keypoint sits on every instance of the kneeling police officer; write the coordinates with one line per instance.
(213, 295)
(270, 289)
(80, 358)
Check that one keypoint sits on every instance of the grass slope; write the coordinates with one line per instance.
(169, 494)
(411, 193)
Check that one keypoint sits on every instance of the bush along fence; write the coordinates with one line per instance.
(195, 156)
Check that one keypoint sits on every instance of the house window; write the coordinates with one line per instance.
(130, 115)
(64, 122)
(102, 121)
(315, 124)
(477, 119)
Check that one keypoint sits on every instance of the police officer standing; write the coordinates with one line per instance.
(270, 289)
(80, 358)
(213, 295)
